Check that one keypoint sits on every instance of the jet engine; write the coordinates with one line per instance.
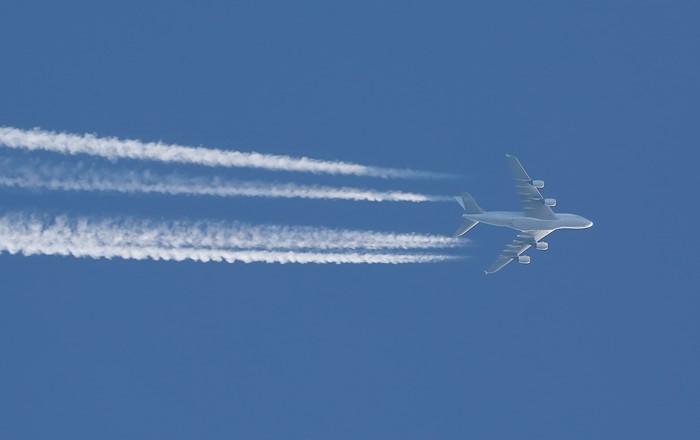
(550, 202)
(523, 259)
(538, 183)
(542, 246)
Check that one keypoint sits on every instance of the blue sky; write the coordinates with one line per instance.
(597, 338)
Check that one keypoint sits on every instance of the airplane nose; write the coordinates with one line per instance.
(590, 223)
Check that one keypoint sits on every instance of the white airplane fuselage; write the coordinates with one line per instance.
(520, 222)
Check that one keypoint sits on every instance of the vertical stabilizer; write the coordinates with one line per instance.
(467, 203)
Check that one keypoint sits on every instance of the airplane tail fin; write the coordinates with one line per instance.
(467, 203)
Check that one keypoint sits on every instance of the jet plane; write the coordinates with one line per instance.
(535, 222)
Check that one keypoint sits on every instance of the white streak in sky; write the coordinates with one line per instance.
(78, 178)
(220, 234)
(79, 250)
(199, 241)
(113, 149)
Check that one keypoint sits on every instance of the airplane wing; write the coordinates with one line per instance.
(522, 242)
(530, 197)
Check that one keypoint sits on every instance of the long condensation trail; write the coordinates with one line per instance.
(113, 149)
(209, 241)
(81, 250)
(219, 234)
(64, 177)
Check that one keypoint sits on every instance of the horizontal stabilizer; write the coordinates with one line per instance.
(465, 227)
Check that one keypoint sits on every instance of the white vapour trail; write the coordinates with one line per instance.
(133, 239)
(78, 250)
(77, 178)
(113, 149)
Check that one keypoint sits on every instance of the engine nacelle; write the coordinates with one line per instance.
(550, 202)
(542, 246)
(524, 259)
(538, 183)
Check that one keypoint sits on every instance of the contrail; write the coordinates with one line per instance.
(78, 250)
(78, 178)
(178, 241)
(113, 149)
(219, 234)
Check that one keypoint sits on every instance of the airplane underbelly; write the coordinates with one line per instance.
(530, 224)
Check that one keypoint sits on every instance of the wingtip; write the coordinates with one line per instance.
(508, 155)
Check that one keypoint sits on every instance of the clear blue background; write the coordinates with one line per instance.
(597, 338)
